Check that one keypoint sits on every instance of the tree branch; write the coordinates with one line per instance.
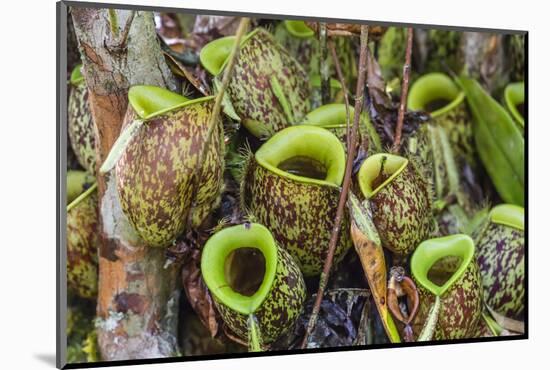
(359, 96)
(404, 92)
(324, 69)
(342, 80)
(137, 296)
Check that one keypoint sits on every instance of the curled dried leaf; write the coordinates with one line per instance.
(369, 248)
(404, 288)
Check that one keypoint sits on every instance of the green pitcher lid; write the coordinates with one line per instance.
(508, 215)
(299, 29)
(430, 251)
(330, 115)
(315, 81)
(433, 86)
(214, 55)
(308, 141)
(392, 164)
(218, 248)
(150, 101)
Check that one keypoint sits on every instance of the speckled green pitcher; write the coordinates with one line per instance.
(399, 200)
(437, 94)
(292, 186)
(500, 252)
(249, 274)
(300, 41)
(82, 234)
(155, 172)
(269, 90)
(457, 291)
(80, 122)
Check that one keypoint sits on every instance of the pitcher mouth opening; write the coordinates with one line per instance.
(152, 101)
(435, 93)
(214, 55)
(509, 215)
(245, 270)
(238, 265)
(307, 154)
(379, 170)
(429, 256)
(332, 115)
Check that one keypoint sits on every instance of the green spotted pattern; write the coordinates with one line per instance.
(299, 215)
(306, 51)
(458, 126)
(460, 309)
(281, 307)
(81, 127)
(82, 244)
(261, 59)
(419, 149)
(500, 254)
(402, 211)
(155, 173)
(445, 142)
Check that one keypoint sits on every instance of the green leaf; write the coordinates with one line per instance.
(228, 108)
(254, 336)
(431, 322)
(119, 147)
(277, 90)
(498, 140)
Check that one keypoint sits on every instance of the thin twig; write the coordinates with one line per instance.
(404, 92)
(127, 26)
(340, 75)
(345, 187)
(113, 22)
(324, 70)
(212, 124)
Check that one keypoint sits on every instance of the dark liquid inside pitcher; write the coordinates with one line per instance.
(436, 104)
(245, 270)
(305, 167)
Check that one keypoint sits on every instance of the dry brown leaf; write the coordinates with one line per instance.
(180, 70)
(368, 247)
(404, 287)
(198, 294)
(349, 29)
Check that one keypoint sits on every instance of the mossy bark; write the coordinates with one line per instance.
(136, 294)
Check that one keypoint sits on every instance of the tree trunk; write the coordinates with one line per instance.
(137, 298)
(485, 59)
